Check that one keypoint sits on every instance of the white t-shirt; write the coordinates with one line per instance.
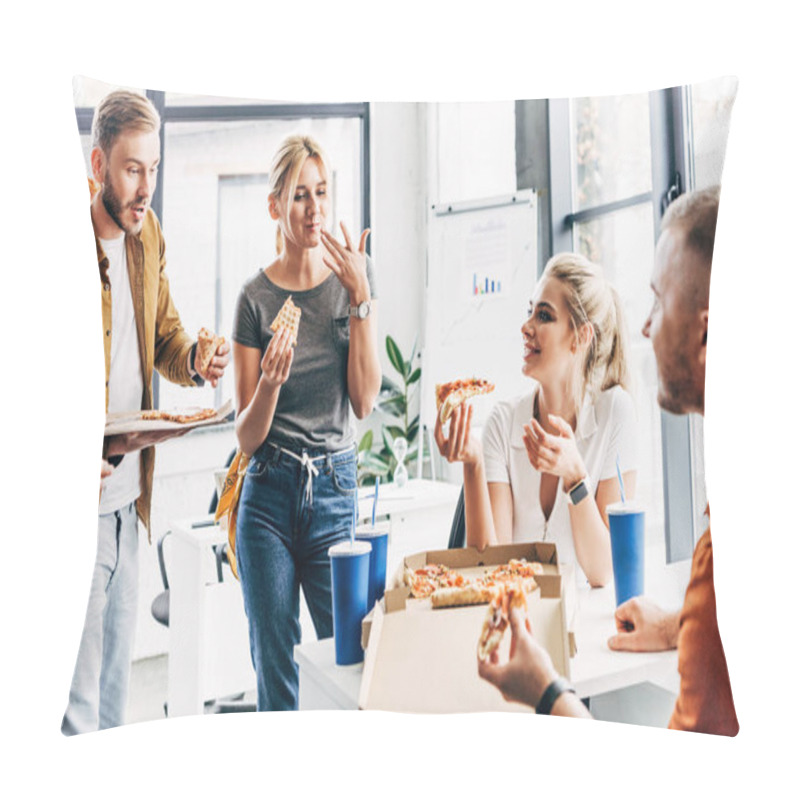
(125, 384)
(605, 429)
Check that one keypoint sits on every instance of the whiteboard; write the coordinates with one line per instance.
(482, 270)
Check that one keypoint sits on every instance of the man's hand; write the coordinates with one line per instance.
(529, 670)
(105, 470)
(216, 367)
(644, 627)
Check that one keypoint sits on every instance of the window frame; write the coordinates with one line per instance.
(671, 175)
(248, 111)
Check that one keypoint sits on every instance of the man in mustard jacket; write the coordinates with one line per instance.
(141, 330)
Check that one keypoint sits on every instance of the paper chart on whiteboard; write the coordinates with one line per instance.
(482, 268)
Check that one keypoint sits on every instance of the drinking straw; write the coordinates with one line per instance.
(355, 518)
(619, 478)
(375, 498)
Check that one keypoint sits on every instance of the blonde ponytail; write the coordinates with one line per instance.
(592, 300)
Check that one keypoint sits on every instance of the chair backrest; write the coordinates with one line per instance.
(458, 526)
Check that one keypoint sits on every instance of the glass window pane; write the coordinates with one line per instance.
(622, 243)
(711, 105)
(611, 156)
(216, 225)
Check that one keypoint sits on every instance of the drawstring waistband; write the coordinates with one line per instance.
(308, 462)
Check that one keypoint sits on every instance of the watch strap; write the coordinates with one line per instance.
(552, 693)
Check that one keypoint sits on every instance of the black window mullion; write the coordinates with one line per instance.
(560, 140)
(670, 169)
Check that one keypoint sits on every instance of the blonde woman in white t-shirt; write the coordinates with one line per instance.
(546, 468)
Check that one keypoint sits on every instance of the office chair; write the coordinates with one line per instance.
(159, 608)
(459, 525)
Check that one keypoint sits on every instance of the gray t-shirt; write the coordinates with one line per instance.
(313, 405)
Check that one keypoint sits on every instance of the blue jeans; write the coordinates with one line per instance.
(288, 518)
(99, 691)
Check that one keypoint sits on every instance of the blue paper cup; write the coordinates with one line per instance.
(379, 539)
(626, 524)
(349, 591)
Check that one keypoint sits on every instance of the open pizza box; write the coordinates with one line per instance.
(421, 659)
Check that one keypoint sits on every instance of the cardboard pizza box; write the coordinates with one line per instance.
(468, 558)
(421, 659)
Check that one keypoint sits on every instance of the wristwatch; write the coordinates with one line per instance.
(579, 491)
(552, 693)
(361, 311)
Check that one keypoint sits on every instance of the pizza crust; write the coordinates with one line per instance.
(289, 318)
(472, 594)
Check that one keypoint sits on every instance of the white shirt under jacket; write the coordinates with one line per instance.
(605, 428)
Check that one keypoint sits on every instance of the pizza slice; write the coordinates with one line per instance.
(471, 593)
(207, 344)
(450, 395)
(168, 416)
(506, 597)
(288, 317)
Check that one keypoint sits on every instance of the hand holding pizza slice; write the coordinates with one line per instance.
(210, 347)
(450, 395)
(507, 597)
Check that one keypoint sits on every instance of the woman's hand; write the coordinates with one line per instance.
(348, 263)
(277, 360)
(554, 454)
(459, 445)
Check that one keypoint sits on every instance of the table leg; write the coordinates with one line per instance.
(186, 630)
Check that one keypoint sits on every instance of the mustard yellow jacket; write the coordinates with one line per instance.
(163, 343)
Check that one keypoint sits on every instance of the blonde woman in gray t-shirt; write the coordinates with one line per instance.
(294, 414)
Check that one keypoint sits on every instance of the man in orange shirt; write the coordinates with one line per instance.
(678, 329)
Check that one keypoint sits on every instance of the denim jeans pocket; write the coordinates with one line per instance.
(343, 476)
(258, 468)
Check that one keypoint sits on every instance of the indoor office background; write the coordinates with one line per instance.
(600, 167)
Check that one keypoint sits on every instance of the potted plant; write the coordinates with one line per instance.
(394, 400)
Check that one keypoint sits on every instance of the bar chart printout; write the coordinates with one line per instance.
(486, 258)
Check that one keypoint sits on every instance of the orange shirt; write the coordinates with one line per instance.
(705, 702)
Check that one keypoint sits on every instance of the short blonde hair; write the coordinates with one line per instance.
(592, 299)
(695, 214)
(120, 111)
(286, 165)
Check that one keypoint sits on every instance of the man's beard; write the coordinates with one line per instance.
(677, 392)
(113, 206)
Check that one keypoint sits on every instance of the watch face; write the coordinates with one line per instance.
(363, 310)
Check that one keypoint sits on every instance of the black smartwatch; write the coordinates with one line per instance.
(552, 693)
(579, 491)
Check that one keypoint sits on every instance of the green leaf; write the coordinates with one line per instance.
(375, 463)
(395, 431)
(388, 440)
(366, 442)
(415, 376)
(413, 430)
(395, 356)
(396, 406)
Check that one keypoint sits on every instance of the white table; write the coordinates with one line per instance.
(209, 651)
(596, 670)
